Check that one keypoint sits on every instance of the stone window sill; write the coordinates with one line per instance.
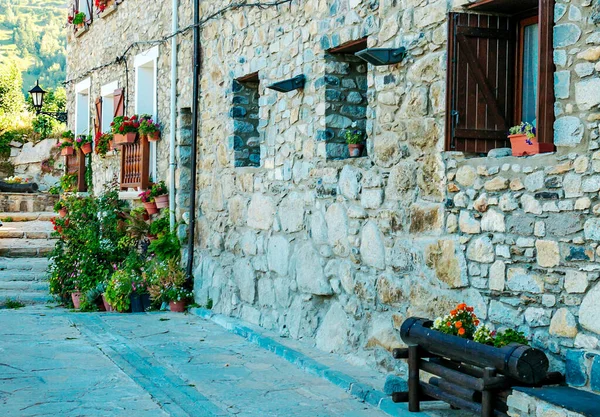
(80, 32)
(108, 11)
(129, 195)
(460, 156)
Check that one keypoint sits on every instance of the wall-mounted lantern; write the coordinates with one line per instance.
(382, 56)
(37, 96)
(289, 85)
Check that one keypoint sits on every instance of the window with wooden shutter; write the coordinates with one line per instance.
(119, 102)
(98, 120)
(75, 164)
(486, 75)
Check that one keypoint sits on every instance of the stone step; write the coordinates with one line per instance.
(32, 266)
(24, 286)
(9, 234)
(25, 297)
(25, 248)
(24, 276)
(26, 202)
(27, 217)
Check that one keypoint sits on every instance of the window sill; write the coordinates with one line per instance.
(129, 195)
(108, 11)
(81, 31)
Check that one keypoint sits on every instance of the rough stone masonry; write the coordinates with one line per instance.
(342, 251)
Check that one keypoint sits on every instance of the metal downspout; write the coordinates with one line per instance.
(173, 116)
(195, 88)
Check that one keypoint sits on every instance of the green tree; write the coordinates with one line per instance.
(11, 97)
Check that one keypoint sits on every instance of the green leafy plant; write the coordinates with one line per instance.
(78, 18)
(63, 145)
(167, 281)
(59, 205)
(68, 182)
(68, 135)
(165, 247)
(158, 189)
(509, 336)
(12, 304)
(118, 290)
(148, 126)
(82, 140)
(354, 136)
(103, 143)
(524, 129)
(125, 124)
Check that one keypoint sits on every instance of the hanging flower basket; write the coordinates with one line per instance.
(67, 151)
(86, 148)
(154, 137)
(162, 201)
(151, 208)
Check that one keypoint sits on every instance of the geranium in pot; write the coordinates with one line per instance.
(66, 148)
(160, 193)
(61, 208)
(103, 144)
(523, 141)
(355, 139)
(149, 129)
(148, 201)
(140, 298)
(125, 129)
(84, 142)
(77, 19)
(168, 284)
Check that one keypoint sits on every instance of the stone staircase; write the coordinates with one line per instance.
(25, 242)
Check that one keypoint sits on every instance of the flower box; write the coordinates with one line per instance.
(123, 139)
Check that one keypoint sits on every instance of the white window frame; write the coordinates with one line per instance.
(82, 92)
(82, 6)
(142, 60)
(107, 92)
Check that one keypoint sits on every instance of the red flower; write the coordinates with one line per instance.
(461, 331)
(121, 128)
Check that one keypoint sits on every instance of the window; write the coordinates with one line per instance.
(82, 107)
(244, 112)
(86, 6)
(345, 84)
(500, 72)
(146, 71)
(106, 113)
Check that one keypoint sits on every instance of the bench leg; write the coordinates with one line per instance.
(487, 396)
(414, 385)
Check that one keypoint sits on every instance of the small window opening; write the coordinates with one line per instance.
(244, 112)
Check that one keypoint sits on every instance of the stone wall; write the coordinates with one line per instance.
(340, 252)
(244, 112)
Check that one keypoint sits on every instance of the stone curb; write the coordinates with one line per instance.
(359, 390)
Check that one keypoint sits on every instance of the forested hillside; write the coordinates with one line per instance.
(32, 35)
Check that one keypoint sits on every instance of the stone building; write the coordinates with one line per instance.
(296, 237)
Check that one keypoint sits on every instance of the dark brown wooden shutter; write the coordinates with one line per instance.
(119, 103)
(480, 93)
(545, 111)
(98, 120)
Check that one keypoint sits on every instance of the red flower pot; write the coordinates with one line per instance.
(62, 212)
(151, 208)
(355, 150)
(520, 147)
(66, 151)
(162, 201)
(86, 148)
(125, 138)
(76, 297)
(153, 137)
(177, 306)
(107, 306)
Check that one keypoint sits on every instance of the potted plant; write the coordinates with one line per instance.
(160, 193)
(103, 144)
(355, 140)
(77, 19)
(524, 142)
(168, 284)
(83, 142)
(125, 129)
(66, 148)
(140, 298)
(463, 322)
(148, 200)
(76, 298)
(67, 136)
(68, 182)
(118, 290)
(149, 129)
(61, 208)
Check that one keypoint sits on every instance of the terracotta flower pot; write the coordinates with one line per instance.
(76, 297)
(107, 306)
(162, 201)
(66, 151)
(125, 138)
(153, 137)
(177, 306)
(151, 208)
(520, 146)
(355, 150)
(62, 212)
(86, 148)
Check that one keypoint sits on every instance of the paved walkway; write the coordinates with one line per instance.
(56, 363)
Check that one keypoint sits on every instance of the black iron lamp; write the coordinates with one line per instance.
(382, 56)
(289, 85)
(37, 96)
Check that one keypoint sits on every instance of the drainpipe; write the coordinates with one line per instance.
(195, 87)
(173, 121)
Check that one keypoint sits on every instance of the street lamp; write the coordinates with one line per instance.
(37, 96)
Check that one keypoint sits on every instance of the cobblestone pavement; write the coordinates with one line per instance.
(57, 363)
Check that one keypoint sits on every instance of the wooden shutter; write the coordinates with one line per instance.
(480, 92)
(98, 120)
(545, 111)
(119, 103)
